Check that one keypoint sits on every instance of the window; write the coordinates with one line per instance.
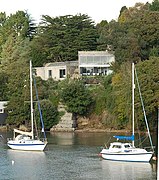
(50, 73)
(127, 146)
(1, 110)
(117, 146)
(62, 73)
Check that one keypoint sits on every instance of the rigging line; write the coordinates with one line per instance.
(37, 97)
(139, 139)
(143, 141)
(107, 142)
(144, 112)
(142, 138)
(36, 128)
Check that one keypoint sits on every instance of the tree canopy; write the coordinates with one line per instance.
(60, 38)
(76, 97)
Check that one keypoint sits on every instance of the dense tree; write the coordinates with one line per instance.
(77, 97)
(49, 113)
(19, 24)
(14, 65)
(3, 19)
(3, 89)
(134, 37)
(154, 6)
(16, 25)
(60, 38)
(103, 29)
(128, 14)
(121, 17)
(121, 89)
(14, 57)
(149, 82)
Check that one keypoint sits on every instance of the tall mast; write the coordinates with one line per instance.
(133, 89)
(31, 100)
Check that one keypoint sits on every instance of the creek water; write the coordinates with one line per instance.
(70, 156)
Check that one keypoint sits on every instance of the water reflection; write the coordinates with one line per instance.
(126, 170)
(26, 164)
(63, 138)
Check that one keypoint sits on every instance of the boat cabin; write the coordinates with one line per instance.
(120, 147)
(21, 137)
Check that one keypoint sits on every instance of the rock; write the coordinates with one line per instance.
(66, 122)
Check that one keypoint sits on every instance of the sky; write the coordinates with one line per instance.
(97, 10)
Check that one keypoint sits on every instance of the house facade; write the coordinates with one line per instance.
(95, 62)
(90, 63)
(57, 70)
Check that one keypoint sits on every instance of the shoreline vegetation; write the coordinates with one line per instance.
(84, 130)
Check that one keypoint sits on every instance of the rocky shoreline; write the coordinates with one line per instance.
(84, 130)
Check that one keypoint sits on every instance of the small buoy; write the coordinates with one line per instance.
(12, 162)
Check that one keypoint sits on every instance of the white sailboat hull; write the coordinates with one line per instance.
(138, 155)
(29, 145)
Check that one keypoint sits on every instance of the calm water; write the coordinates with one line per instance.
(69, 156)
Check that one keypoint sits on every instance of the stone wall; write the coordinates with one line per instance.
(66, 122)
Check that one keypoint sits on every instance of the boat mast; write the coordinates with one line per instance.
(31, 100)
(133, 89)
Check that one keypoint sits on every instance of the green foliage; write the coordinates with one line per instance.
(154, 52)
(134, 37)
(76, 97)
(49, 114)
(14, 65)
(102, 93)
(16, 25)
(149, 83)
(121, 90)
(60, 38)
(3, 89)
(120, 97)
(17, 112)
(19, 24)
(52, 91)
(154, 6)
(108, 93)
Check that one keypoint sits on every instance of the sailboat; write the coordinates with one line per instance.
(26, 140)
(121, 151)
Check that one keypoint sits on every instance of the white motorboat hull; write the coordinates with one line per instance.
(134, 156)
(30, 145)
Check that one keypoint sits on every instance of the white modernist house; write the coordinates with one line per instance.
(57, 70)
(89, 63)
(95, 62)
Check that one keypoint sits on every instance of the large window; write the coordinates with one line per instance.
(62, 73)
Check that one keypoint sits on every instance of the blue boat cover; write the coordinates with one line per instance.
(131, 138)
